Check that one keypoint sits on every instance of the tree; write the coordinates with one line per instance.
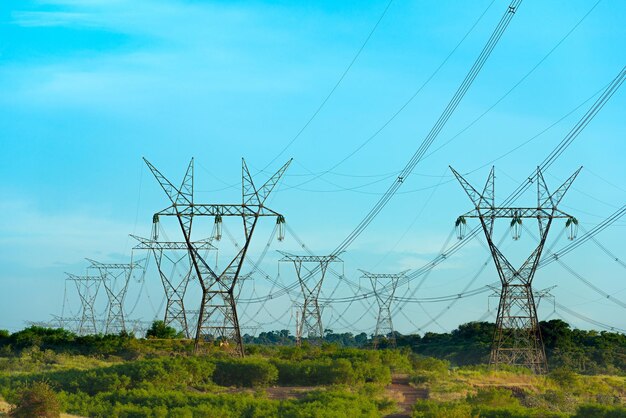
(37, 401)
(160, 330)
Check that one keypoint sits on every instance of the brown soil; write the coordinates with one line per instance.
(289, 392)
(405, 394)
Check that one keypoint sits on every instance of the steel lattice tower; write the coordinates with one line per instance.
(175, 287)
(311, 317)
(384, 297)
(537, 294)
(218, 312)
(87, 287)
(111, 275)
(517, 339)
(297, 313)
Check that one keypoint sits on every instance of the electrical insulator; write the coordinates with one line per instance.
(217, 228)
(461, 227)
(516, 227)
(572, 228)
(280, 222)
(155, 227)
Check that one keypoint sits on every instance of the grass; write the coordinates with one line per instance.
(353, 379)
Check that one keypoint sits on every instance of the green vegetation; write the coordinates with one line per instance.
(121, 376)
(160, 330)
(36, 400)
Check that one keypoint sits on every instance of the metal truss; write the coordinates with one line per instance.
(539, 295)
(517, 339)
(384, 296)
(168, 257)
(217, 317)
(115, 277)
(87, 287)
(310, 323)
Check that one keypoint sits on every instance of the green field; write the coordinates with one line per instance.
(121, 376)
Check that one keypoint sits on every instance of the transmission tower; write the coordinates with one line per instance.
(64, 322)
(87, 287)
(537, 294)
(174, 282)
(115, 277)
(218, 312)
(297, 313)
(517, 339)
(310, 322)
(384, 297)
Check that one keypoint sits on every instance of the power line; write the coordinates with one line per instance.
(330, 93)
(436, 129)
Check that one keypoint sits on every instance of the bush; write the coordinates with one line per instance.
(494, 397)
(433, 409)
(397, 361)
(564, 377)
(600, 411)
(247, 372)
(160, 330)
(37, 400)
(315, 372)
(430, 364)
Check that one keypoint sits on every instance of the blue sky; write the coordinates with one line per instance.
(91, 87)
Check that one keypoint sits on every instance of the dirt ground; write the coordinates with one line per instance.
(399, 390)
(405, 394)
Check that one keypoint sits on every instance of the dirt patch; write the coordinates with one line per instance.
(289, 392)
(405, 394)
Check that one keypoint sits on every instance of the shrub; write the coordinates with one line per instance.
(247, 372)
(433, 409)
(494, 397)
(37, 400)
(160, 330)
(600, 411)
(564, 377)
(398, 361)
(430, 364)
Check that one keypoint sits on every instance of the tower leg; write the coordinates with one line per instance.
(517, 339)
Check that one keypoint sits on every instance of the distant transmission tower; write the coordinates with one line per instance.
(87, 287)
(384, 297)
(311, 319)
(115, 278)
(297, 313)
(517, 339)
(174, 282)
(218, 313)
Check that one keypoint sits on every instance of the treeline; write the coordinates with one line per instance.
(590, 352)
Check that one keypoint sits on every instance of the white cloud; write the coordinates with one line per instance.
(36, 239)
(176, 51)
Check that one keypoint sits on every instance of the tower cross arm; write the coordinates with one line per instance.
(508, 212)
(150, 244)
(114, 266)
(309, 258)
(384, 275)
(79, 278)
(217, 210)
